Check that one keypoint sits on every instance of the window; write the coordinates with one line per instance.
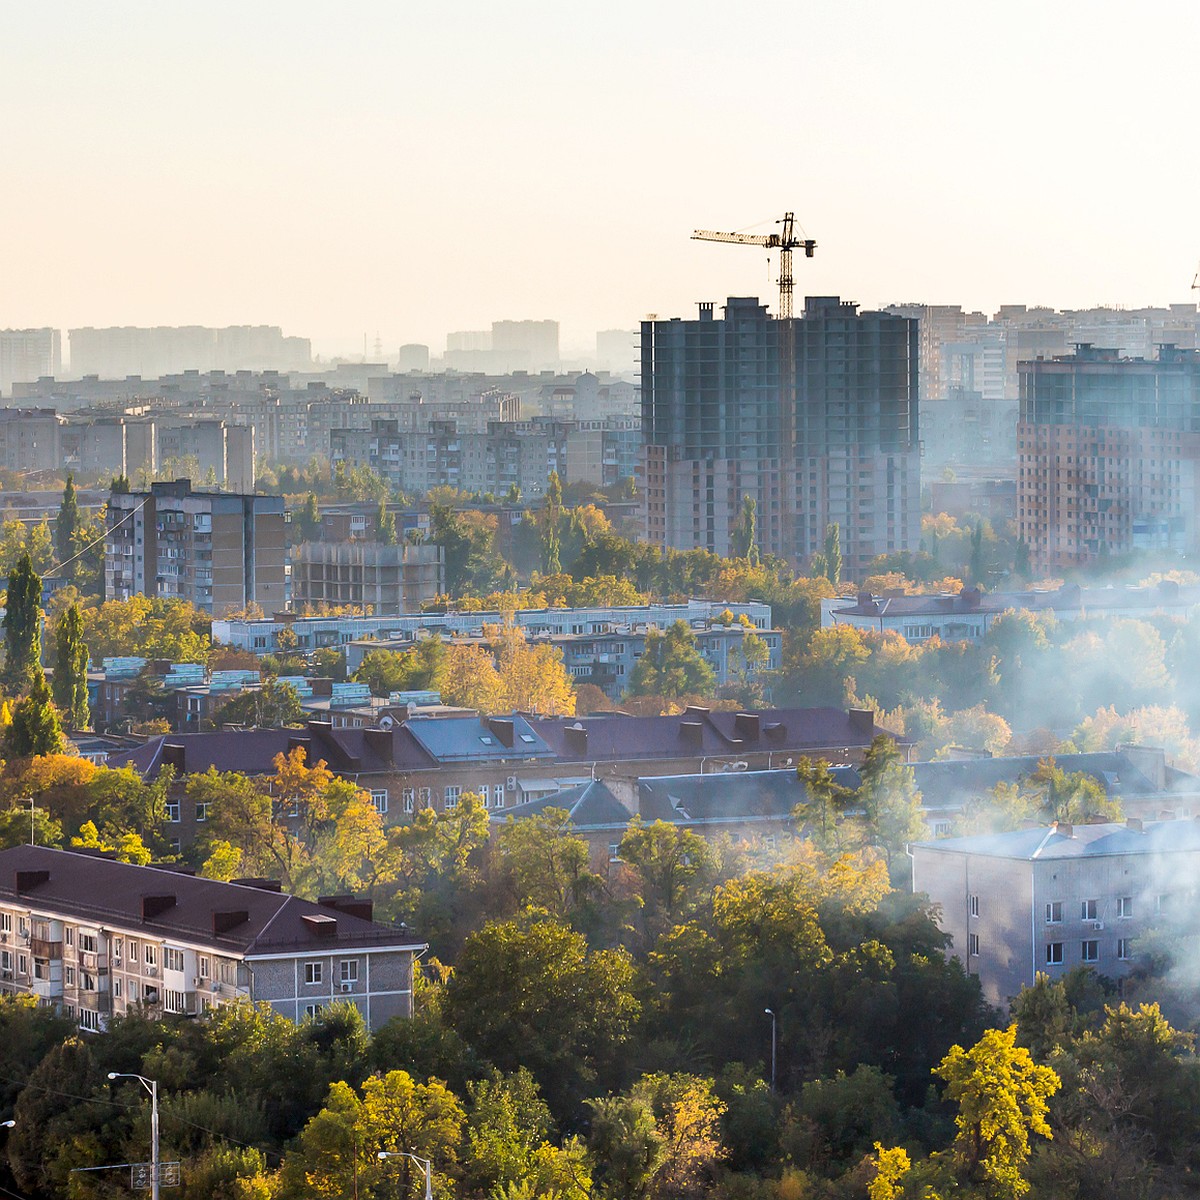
(6, 960)
(68, 975)
(1090, 952)
(498, 796)
(1124, 949)
(116, 988)
(485, 794)
(349, 970)
(1124, 907)
(313, 972)
(116, 948)
(22, 964)
(69, 936)
(974, 906)
(89, 943)
(452, 794)
(425, 795)
(89, 1020)
(151, 957)
(409, 798)
(173, 1001)
(202, 967)
(379, 798)
(1054, 953)
(173, 811)
(311, 1010)
(5, 922)
(201, 811)
(133, 952)
(172, 959)
(1088, 910)
(1054, 912)
(973, 944)
(88, 982)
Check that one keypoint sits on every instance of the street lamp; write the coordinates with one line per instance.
(425, 1162)
(7, 1124)
(771, 1014)
(151, 1085)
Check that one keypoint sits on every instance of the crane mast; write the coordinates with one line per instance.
(785, 242)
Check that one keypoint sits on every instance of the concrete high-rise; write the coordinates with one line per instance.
(715, 430)
(1109, 455)
(27, 355)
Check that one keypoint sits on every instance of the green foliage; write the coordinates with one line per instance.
(35, 727)
(671, 666)
(70, 690)
(416, 669)
(275, 705)
(743, 540)
(67, 529)
(385, 525)
(23, 628)
(308, 520)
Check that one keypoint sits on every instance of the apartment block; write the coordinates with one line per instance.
(844, 449)
(27, 355)
(99, 939)
(117, 352)
(1109, 455)
(1050, 899)
(218, 550)
(30, 439)
(385, 580)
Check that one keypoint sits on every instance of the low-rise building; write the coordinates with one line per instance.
(388, 580)
(969, 614)
(99, 939)
(261, 636)
(1049, 899)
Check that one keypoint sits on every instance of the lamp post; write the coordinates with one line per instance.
(7, 1124)
(771, 1014)
(151, 1085)
(426, 1163)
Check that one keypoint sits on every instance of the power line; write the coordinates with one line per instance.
(108, 529)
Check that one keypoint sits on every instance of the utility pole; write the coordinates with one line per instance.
(772, 1016)
(151, 1085)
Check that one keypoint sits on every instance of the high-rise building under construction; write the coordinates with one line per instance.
(716, 430)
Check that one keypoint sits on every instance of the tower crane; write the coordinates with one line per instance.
(785, 242)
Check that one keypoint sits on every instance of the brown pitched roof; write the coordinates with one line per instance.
(230, 917)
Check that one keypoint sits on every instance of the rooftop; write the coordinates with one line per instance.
(167, 903)
(1077, 841)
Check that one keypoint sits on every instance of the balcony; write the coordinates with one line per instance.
(41, 948)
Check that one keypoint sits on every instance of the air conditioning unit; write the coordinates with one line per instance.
(151, 970)
(347, 986)
(512, 783)
(197, 981)
(3, 937)
(1098, 926)
(5, 974)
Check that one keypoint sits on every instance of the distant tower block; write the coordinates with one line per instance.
(413, 357)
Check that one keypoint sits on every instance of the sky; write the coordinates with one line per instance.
(405, 168)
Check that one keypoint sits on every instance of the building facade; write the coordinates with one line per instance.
(27, 355)
(717, 427)
(1047, 900)
(1109, 455)
(387, 580)
(99, 939)
(217, 550)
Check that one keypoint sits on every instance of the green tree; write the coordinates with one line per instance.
(544, 864)
(743, 541)
(824, 801)
(890, 802)
(530, 993)
(385, 525)
(828, 561)
(275, 705)
(626, 1145)
(674, 867)
(70, 690)
(35, 727)
(67, 528)
(552, 514)
(1002, 1097)
(308, 520)
(672, 666)
(23, 627)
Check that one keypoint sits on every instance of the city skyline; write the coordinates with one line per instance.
(410, 173)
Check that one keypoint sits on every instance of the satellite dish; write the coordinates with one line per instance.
(386, 722)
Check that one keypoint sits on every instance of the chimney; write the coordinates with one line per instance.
(224, 921)
(504, 730)
(28, 880)
(862, 720)
(319, 925)
(1134, 824)
(696, 712)
(1065, 830)
(577, 737)
(692, 732)
(298, 742)
(152, 906)
(746, 725)
(380, 740)
(263, 885)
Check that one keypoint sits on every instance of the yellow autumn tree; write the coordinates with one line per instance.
(513, 675)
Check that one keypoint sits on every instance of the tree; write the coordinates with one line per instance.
(688, 1117)
(35, 727)
(67, 528)
(552, 514)
(417, 669)
(743, 541)
(824, 801)
(1002, 1097)
(672, 666)
(544, 864)
(308, 520)
(530, 993)
(828, 562)
(514, 676)
(385, 525)
(627, 1146)
(673, 866)
(275, 705)
(70, 691)
(23, 627)
(889, 800)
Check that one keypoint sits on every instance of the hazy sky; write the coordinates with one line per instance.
(417, 167)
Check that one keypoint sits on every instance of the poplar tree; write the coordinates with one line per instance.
(67, 527)
(70, 690)
(385, 525)
(35, 727)
(23, 628)
(551, 522)
(309, 519)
